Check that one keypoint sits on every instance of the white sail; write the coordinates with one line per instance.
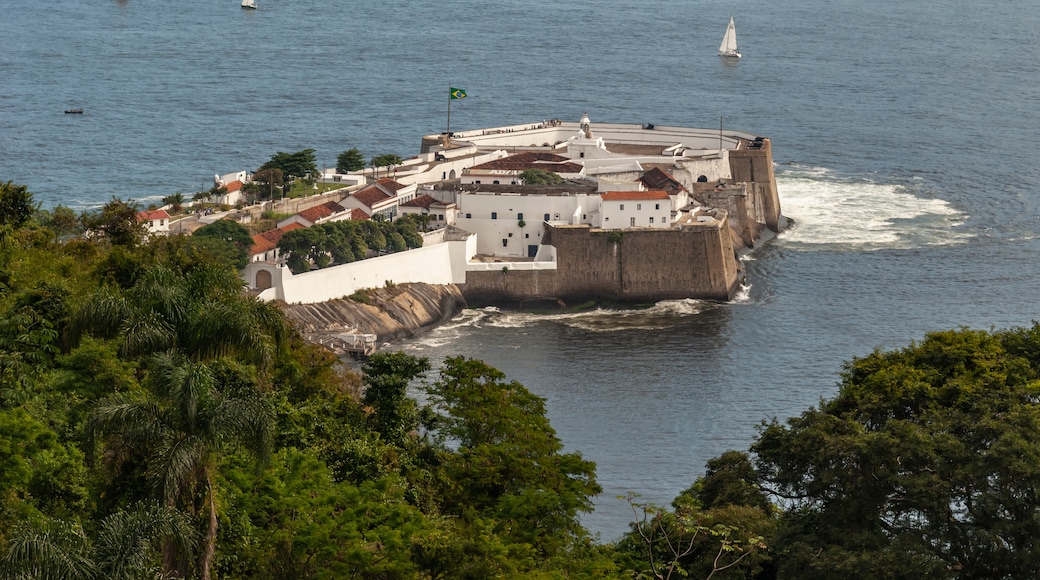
(729, 41)
(249, 4)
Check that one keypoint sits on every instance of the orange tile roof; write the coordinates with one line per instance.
(153, 214)
(390, 184)
(359, 214)
(234, 186)
(634, 195)
(318, 212)
(532, 160)
(371, 195)
(269, 240)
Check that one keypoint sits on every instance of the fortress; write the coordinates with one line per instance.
(640, 213)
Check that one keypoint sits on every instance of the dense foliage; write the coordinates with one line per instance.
(155, 421)
(293, 166)
(350, 160)
(342, 242)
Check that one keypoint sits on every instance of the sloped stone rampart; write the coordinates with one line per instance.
(391, 313)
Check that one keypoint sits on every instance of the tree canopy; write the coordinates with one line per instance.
(350, 160)
(539, 177)
(922, 466)
(293, 165)
(229, 238)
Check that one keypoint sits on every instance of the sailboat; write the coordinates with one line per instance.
(729, 41)
(249, 4)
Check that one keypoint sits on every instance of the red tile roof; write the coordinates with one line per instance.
(234, 186)
(153, 214)
(319, 212)
(269, 239)
(371, 195)
(421, 201)
(390, 184)
(634, 195)
(359, 214)
(657, 178)
(532, 160)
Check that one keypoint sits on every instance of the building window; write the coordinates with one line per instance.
(494, 215)
(583, 216)
(622, 207)
(651, 220)
(546, 217)
(527, 235)
(557, 216)
(657, 206)
(505, 242)
(477, 181)
(639, 206)
(519, 216)
(469, 215)
(510, 234)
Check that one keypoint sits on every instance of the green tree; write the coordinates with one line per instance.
(350, 160)
(269, 179)
(540, 177)
(509, 466)
(202, 314)
(292, 165)
(124, 548)
(117, 222)
(924, 465)
(388, 160)
(181, 428)
(175, 201)
(231, 235)
(16, 204)
(63, 220)
(387, 375)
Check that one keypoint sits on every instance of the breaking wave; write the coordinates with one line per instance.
(834, 213)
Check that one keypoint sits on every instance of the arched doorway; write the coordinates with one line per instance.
(263, 279)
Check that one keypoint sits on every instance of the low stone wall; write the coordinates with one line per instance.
(638, 265)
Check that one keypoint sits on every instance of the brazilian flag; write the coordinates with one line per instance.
(456, 93)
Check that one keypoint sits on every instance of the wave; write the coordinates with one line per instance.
(664, 314)
(830, 212)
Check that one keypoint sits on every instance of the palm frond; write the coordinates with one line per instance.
(52, 549)
(128, 543)
(102, 315)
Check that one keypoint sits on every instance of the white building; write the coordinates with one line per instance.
(155, 221)
(636, 209)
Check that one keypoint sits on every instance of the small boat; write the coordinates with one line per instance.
(249, 4)
(73, 111)
(729, 41)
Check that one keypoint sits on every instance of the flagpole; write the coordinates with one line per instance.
(447, 134)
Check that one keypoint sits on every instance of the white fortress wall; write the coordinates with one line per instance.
(431, 265)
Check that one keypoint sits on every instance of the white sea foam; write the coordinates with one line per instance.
(834, 213)
(661, 315)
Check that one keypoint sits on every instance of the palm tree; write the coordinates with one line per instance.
(181, 428)
(123, 549)
(203, 315)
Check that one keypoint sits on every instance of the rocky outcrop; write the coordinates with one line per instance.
(390, 313)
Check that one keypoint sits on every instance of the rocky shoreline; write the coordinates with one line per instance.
(390, 313)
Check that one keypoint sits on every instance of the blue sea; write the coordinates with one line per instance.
(904, 134)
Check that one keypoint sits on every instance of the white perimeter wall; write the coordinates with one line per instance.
(437, 264)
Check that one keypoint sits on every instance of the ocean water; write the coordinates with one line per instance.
(904, 137)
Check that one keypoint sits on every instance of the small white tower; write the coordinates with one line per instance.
(586, 126)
